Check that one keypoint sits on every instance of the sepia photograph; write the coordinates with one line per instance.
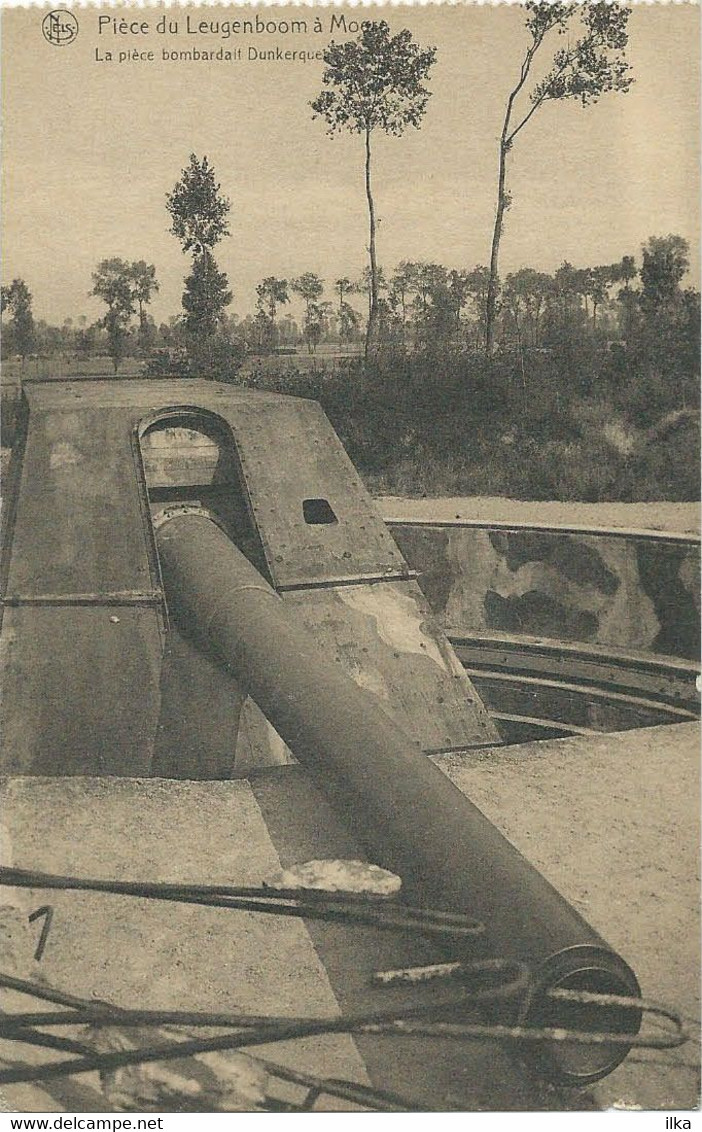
(350, 563)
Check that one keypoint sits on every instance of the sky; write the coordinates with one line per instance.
(91, 147)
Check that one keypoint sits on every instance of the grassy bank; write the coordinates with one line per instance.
(599, 426)
(469, 426)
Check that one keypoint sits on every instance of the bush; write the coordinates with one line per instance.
(457, 423)
(167, 363)
(217, 358)
(665, 463)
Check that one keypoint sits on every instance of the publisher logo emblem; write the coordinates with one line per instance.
(59, 27)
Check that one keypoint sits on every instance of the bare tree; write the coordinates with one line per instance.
(375, 82)
(591, 64)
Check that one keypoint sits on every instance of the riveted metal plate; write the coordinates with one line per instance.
(79, 525)
(289, 453)
(384, 636)
(80, 689)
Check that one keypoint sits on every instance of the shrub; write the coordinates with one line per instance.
(216, 358)
(457, 423)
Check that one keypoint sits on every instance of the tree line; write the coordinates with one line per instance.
(581, 381)
(377, 82)
(418, 306)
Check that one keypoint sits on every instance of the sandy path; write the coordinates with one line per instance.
(607, 822)
(679, 518)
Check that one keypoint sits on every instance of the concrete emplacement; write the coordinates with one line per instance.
(537, 869)
(612, 859)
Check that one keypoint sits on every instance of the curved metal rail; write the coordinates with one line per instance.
(536, 684)
(679, 537)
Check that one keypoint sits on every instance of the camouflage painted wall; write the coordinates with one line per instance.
(626, 591)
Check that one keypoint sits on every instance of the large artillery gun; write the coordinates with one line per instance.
(197, 587)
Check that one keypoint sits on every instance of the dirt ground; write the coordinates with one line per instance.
(613, 822)
(675, 518)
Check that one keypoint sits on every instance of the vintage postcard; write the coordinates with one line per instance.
(350, 568)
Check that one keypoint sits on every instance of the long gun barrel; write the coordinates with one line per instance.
(407, 812)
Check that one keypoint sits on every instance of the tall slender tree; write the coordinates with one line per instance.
(402, 283)
(198, 212)
(597, 283)
(625, 272)
(113, 283)
(665, 262)
(144, 285)
(310, 289)
(349, 321)
(348, 318)
(375, 82)
(343, 287)
(271, 292)
(592, 63)
(17, 299)
(364, 286)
